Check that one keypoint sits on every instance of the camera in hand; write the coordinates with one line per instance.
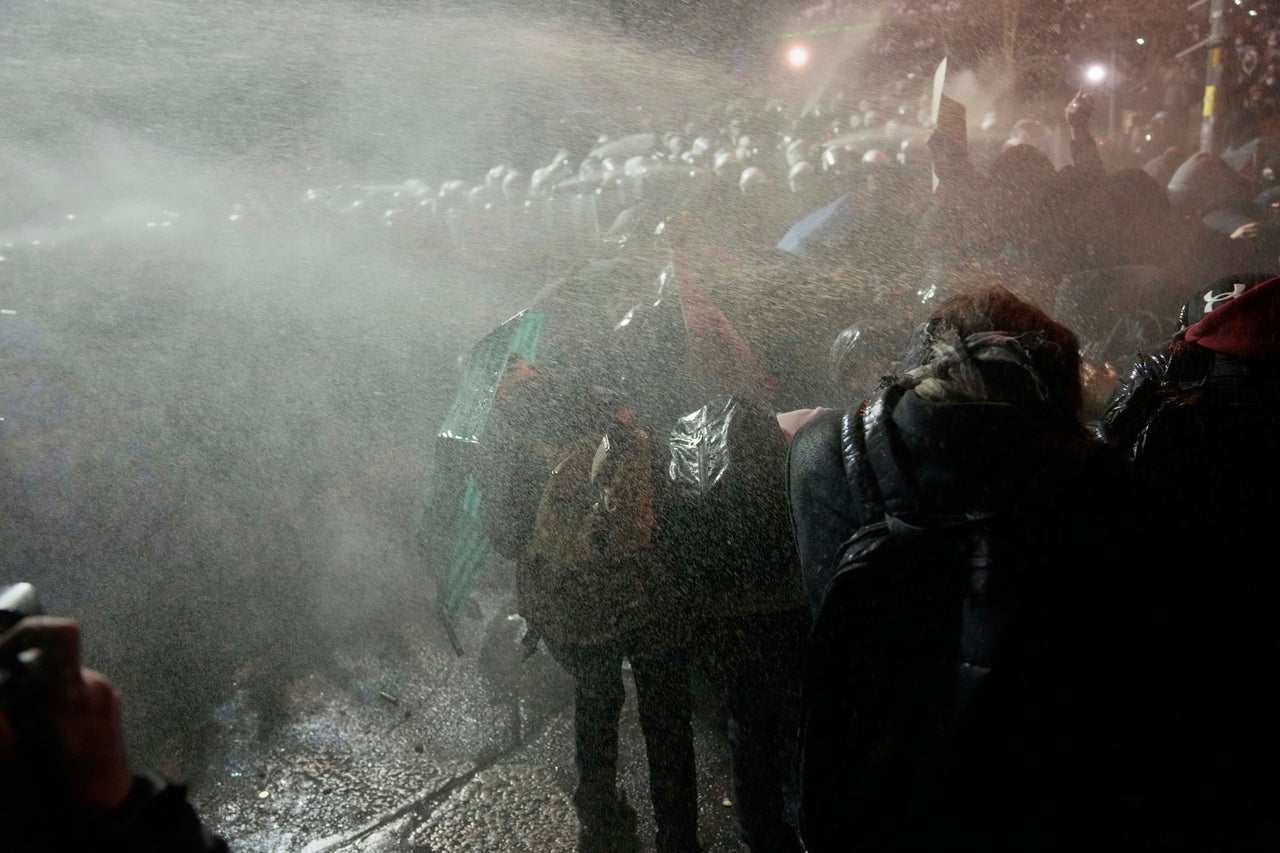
(17, 602)
(18, 669)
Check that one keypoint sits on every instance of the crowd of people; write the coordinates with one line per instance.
(1047, 328)
(1078, 337)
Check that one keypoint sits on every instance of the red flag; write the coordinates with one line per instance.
(716, 349)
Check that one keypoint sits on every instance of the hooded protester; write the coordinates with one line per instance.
(1270, 80)
(1131, 222)
(1199, 417)
(1130, 277)
(1028, 208)
(570, 464)
(727, 462)
(983, 413)
(1227, 344)
(1255, 117)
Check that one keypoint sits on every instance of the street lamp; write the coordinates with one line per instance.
(798, 57)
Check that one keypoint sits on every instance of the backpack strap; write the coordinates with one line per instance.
(897, 490)
(879, 470)
(871, 459)
(857, 471)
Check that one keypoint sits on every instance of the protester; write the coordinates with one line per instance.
(1023, 215)
(985, 406)
(596, 608)
(1255, 117)
(1221, 220)
(728, 465)
(1202, 411)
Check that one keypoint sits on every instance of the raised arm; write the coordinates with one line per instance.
(1084, 148)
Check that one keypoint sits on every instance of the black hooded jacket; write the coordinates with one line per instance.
(1200, 418)
(965, 453)
(984, 437)
(1208, 401)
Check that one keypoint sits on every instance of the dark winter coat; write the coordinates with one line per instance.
(1200, 417)
(543, 428)
(155, 816)
(1188, 408)
(1071, 753)
(728, 509)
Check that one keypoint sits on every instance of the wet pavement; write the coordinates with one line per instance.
(415, 748)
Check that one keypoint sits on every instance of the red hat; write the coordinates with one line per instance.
(1244, 324)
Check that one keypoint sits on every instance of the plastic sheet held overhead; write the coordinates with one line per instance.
(451, 536)
(484, 367)
(727, 467)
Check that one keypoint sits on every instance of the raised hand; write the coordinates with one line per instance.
(1080, 111)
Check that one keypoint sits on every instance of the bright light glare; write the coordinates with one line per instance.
(1096, 73)
(1140, 40)
(798, 57)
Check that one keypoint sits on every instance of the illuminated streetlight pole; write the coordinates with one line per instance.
(1111, 97)
(1213, 76)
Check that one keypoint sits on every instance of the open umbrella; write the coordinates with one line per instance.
(1248, 158)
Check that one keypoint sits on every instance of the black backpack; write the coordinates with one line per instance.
(729, 503)
(901, 659)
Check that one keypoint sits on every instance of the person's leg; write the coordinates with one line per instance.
(606, 822)
(761, 656)
(665, 706)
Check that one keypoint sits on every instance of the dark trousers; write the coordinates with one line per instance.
(756, 660)
(660, 669)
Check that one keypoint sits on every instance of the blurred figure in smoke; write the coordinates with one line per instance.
(1254, 118)
(1226, 227)
(1023, 215)
(1132, 223)
(1014, 217)
(1162, 166)
(596, 608)
(1030, 131)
